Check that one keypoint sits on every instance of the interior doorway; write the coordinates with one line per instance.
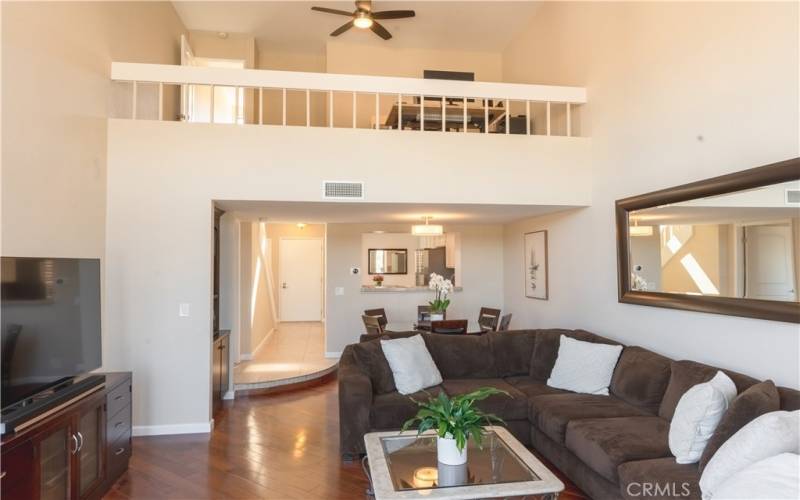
(301, 278)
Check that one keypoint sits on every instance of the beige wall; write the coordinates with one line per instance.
(259, 301)
(658, 76)
(704, 246)
(275, 232)
(481, 276)
(349, 58)
(56, 62)
(275, 163)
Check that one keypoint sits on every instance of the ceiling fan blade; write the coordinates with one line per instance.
(393, 14)
(341, 29)
(332, 11)
(379, 30)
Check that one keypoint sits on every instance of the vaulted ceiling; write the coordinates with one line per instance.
(292, 26)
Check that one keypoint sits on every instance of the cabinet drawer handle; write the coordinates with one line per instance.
(119, 451)
(117, 424)
(3, 474)
(74, 449)
(118, 397)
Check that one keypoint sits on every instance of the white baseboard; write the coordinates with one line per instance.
(246, 357)
(229, 395)
(333, 354)
(163, 430)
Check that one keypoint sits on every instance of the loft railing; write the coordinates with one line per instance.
(287, 98)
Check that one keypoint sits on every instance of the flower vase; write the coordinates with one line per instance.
(437, 316)
(447, 451)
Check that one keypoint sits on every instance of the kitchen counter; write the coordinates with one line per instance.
(400, 289)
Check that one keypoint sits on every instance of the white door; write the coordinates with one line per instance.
(769, 263)
(300, 279)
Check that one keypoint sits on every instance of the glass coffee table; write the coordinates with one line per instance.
(404, 466)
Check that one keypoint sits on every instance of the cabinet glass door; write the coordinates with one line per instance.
(55, 452)
(90, 449)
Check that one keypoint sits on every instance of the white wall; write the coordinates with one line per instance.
(678, 92)
(56, 92)
(482, 280)
(158, 168)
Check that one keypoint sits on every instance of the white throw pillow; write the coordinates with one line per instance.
(773, 478)
(697, 415)
(584, 366)
(765, 436)
(411, 363)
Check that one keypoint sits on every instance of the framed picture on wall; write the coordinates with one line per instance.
(536, 265)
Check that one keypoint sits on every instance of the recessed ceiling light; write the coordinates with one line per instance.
(222, 35)
(300, 225)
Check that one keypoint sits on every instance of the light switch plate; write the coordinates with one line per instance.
(339, 290)
(183, 310)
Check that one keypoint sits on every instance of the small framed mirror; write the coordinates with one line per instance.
(727, 245)
(388, 260)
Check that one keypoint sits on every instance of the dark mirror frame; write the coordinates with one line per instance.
(369, 254)
(774, 173)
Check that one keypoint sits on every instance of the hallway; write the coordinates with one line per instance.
(295, 352)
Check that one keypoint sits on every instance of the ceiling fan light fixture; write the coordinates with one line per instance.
(362, 20)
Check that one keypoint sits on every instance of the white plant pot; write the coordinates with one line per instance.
(437, 316)
(447, 452)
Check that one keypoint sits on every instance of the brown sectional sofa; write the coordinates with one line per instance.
(602, 443)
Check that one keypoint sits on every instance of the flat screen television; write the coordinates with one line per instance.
(50, 315)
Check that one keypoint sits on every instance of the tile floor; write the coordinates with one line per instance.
(295, 352)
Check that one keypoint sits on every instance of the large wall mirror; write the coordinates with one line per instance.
(388, 260)
(727, 245)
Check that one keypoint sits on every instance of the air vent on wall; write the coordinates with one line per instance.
(342, 190)
(793, 196)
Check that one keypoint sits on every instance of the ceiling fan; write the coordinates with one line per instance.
(363, 17)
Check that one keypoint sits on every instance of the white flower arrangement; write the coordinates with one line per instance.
(442, 288)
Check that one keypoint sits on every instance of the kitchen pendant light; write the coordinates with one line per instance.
(427, 229)
(637, 230)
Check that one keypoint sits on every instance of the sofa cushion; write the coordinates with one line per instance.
(390, 411)
(605, 443)
(514, 407)
(532, 387)
(585, 367)
(512, 351)
(462, 356)
(663, 478)
(687, 374)
(790, 398)
(755, 401)
(370, 358)
(641, 377)
(366, 337)
(545, 349)
(551, 413)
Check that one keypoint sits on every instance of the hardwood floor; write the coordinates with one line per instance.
(278, 446)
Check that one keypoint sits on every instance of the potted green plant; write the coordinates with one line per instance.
(442, 288)
(455, 420)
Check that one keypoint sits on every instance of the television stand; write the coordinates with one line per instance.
(76, 448)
